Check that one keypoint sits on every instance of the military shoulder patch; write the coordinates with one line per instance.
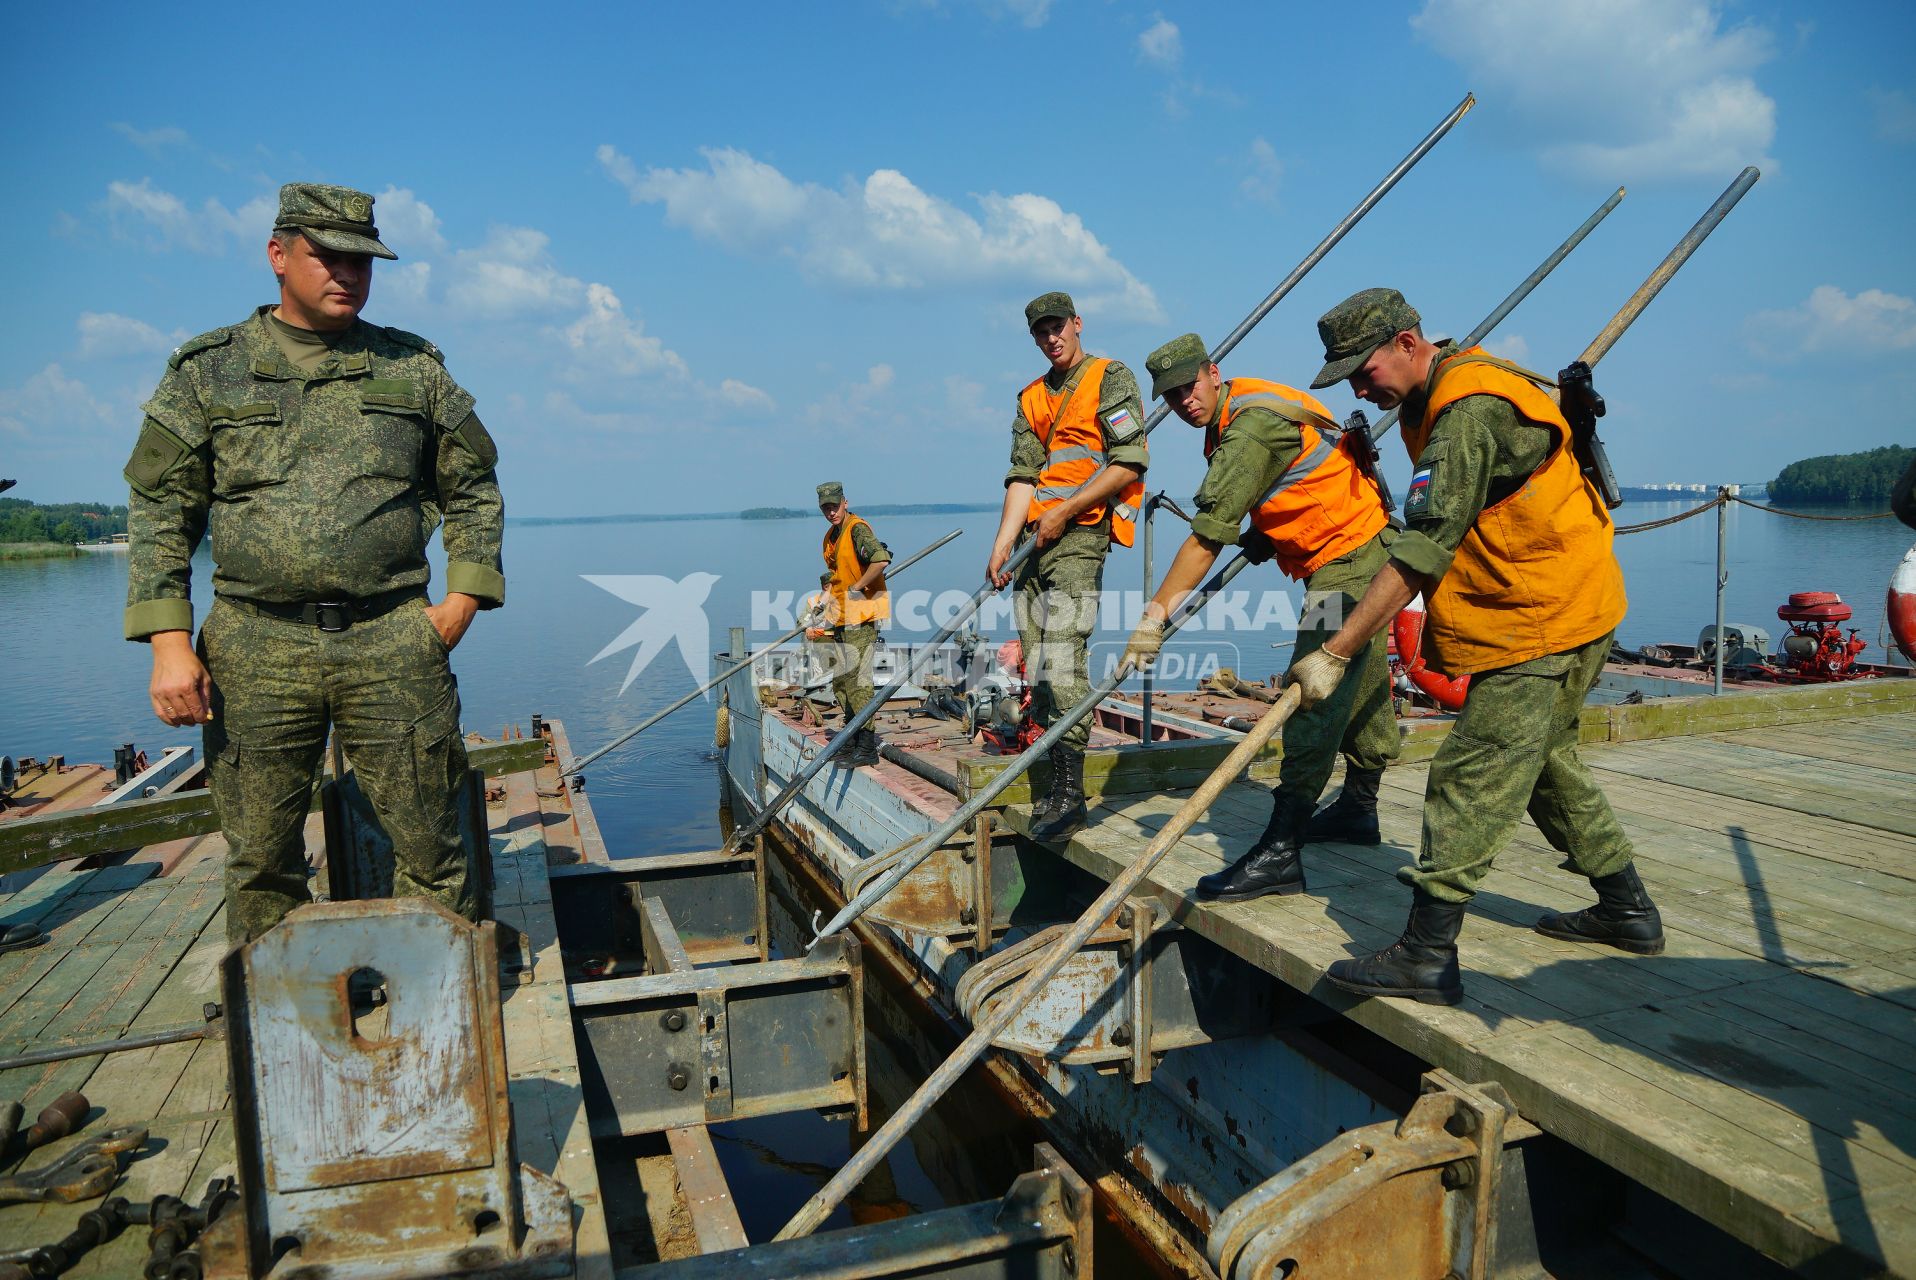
(155, 455)
(1120, 423)
(193, 346)
(1417, 500)
(416, 342)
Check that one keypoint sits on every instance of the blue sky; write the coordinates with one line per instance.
(696, 257)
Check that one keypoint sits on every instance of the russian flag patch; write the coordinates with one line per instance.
(1418, 499)
(1119, 423)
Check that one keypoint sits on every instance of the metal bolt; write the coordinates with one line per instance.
(1122, 1035)
(673, 1019)
(968, 915)
(210, 1010)
(1460, 1173)
(677, 1076)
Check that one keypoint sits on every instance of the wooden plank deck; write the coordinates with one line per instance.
(133, 949)
(1761, 1073)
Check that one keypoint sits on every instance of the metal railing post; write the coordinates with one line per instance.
(1722, 579)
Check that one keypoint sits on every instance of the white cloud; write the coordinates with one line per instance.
(609, 341)
(1512, 347)
(886, 232)
(744, 397)
(1870, 323)
(107, 333)
(51, 403)
(1263, 173)
(1895, 115)
(153, 141)
(511, 273)
(407, 224)
(1160, 44)
(209, 229)
(1618, 89)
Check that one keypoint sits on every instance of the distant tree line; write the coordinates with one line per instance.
(1842, 477)
(772, 513)
(23, 521)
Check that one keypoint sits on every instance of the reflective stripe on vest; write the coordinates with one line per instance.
(841, 559)
(1066, 423)
(1536, 574)
(1324, 506)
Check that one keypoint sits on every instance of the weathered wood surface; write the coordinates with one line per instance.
(61, 837)
(1760, 1073)
(133, 949)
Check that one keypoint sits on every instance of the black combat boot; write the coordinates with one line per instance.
(1421, 965)
(1064, 812)
(1274, 864)
(1352, 817)
(1624, 916)
(860, 751)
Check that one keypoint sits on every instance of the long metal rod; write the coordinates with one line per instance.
(719, 679)
(815, 1210)
(1668, 267)
(879, 1145)
(803, 777)
(66, 1052)
(966, 812)
(1722, 580)
(1522, 291)
(1150, 526)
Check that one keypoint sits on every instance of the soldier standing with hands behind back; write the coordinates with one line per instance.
(320, 452)
(1076, 482)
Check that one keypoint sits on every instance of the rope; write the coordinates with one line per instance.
(1713, 503)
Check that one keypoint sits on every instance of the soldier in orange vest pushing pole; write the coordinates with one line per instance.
(1510, 545)
(1076, 482)
(854, 603)
(1325, 524)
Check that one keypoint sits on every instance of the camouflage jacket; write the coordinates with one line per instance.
(314, 487)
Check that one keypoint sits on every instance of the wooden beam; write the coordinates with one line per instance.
(80, 833)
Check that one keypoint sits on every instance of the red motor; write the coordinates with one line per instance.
(1815, 648)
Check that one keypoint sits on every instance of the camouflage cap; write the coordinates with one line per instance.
(1357, 326)
(336, 218)
(830, 493)
(1049, 304)
(1177, 362)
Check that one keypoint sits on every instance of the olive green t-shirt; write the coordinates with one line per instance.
(304, 349)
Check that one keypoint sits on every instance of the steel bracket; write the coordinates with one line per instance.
(1140, 987)
(1434, 1196)
(683, 1046)
(965, 891)
(716, 901)
(374, 1137)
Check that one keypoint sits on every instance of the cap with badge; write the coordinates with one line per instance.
(1357, 326)
(335, 218)
(1177, 363)
(1046, 305)
(831, 493)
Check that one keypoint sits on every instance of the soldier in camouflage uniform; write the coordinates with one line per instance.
(1497, 507)
(1331, 530)
(1058, 588)
(853, 637)
(320, 452)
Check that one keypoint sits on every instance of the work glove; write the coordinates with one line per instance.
(1144, 644)
(1256, 546)
(1316, 676)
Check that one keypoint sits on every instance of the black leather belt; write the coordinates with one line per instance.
(332, 615)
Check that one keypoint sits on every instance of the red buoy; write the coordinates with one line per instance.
(1902, 605)
(1407, 632)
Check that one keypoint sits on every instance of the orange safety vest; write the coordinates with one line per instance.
(1324, 505)
(1536, 574)
(1067, 425)
(841, 558)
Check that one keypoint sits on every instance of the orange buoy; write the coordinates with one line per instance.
(1407, 631)
(1902, 605)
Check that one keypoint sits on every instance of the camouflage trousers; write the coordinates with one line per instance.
(387, 690)
(1056, 609)
(1358, 718)
(1514, 750)
(850, 655)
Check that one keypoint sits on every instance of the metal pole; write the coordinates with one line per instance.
(582, 761)
(1668, 267)
(1150, 523)
(744, 834)
(819, 1207)
(1522, 291)
(1722, 579)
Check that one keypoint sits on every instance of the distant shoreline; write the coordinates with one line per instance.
(764, 513)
